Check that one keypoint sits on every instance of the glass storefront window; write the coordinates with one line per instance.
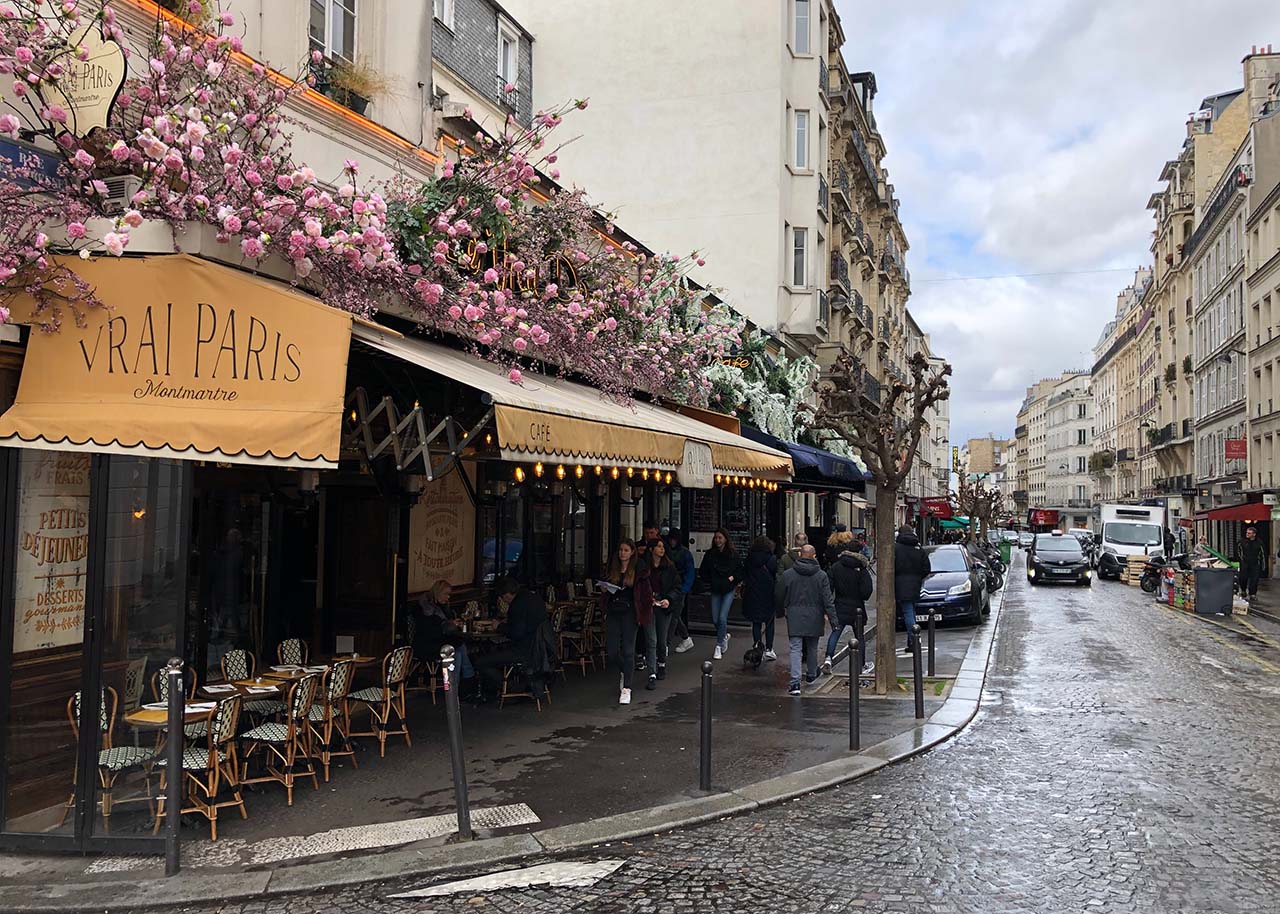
(573, 536)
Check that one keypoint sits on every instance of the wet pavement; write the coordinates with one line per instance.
(1125, 760)
(582, 757)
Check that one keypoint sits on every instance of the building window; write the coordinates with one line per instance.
(508, 55)
(443, 11)
(1080, 436)
(332, 28)
(1080, 411)
(800, 26)
(800, 147)
(799, 257)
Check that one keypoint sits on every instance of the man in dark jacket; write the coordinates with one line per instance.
(524, 613)
(1253, 562)
(852, 584)
(679, 555)
(760, 581)
(809, 602)
(910, 568)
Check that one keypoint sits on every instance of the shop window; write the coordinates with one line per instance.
(573, 536)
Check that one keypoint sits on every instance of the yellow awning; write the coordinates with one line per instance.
(547, 418)
(189, 359)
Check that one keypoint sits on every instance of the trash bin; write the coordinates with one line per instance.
(1214, 590)
(1006, 550)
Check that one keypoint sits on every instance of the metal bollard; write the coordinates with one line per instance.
(932, 620)
(454, 714)
(173, 765)
(917, 671)
(704, 747)
(855, 722)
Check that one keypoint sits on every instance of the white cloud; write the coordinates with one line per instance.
(1026, 138)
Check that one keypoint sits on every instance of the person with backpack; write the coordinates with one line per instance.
(759, 582)
(852, 584)
(722, 571)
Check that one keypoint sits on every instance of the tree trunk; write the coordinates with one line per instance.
(983, 531)
(886, 606)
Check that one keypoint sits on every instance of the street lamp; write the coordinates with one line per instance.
(1225, 357)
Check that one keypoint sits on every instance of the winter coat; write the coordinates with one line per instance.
(807, 598)
(836, 544)
(718, 566)
(525, 616)
(789, 558)
(665, 583)
(1253, 557)
(686, 570)
(910, 568)
(851, 581)
(760, 578)
(637, 599)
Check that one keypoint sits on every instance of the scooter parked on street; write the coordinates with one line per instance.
(1155, 566)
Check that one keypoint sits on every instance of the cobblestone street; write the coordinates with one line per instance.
(1122, 762)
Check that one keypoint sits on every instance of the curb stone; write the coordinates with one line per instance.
(957, 711)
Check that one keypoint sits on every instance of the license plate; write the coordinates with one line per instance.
(1063, 571)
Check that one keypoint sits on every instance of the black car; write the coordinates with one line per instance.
(1058, 557)
(957, 586)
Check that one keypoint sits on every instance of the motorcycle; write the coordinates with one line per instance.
(1154, 568)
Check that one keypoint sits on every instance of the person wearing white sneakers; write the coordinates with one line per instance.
(809, 601)
(760, 579)
(722, 570)
(628, 591)
(682, 559)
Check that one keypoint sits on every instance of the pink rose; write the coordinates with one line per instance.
(133, 218)
(520, 344)
(10, 125)
(75, 230)
(455, 312)
(514, 376)
(252, 247)
(232, 224)
(115, 242)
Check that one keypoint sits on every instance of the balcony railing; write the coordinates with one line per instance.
(1187, 428)
(824, 79)
(840, 271)
(824, 195)
(840, 183)
(824, 309)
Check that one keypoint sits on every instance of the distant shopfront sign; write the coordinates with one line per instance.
(1236, 448)
(1042, 518)
(937, 507)
(697, 469)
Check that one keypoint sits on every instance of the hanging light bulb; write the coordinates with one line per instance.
(577, 471)
(668, 479)
(717, 479)
(537, 469)
(630, 472)
(599, 469)
(488, 439)
(560, 472)
(519, 474)
(613, 472)
(644, 474)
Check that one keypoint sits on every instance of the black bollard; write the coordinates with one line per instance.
(454, 713)
(932, 624)
(704, 748)
(855, 722)
(173, 764)
(917, 671)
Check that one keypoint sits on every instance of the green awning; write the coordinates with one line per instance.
(954, 523)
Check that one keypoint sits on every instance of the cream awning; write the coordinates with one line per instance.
(189, 359)
(545, 418)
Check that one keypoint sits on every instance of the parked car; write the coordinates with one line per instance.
(1008, 536)
(1025, 539)
(1058, 557)
(957, 586)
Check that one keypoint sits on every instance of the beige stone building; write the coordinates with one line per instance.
(1262, 282)
(1116, 396)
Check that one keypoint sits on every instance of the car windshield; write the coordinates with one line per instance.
(946, 560)
(1133, 534)
(1060, 546)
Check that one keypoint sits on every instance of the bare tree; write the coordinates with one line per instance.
(979, 503)
(851, 409)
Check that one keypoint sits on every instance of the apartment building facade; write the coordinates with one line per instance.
(1262, 285)
(1069, 431)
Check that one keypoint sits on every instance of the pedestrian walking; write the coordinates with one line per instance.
(628, 591)
(801, 540)
(721, 569)
(837, 543)
(687, 571)
(1253, 562)
(808, 602)
(664, 582)
(910, 568)
(760, 579)
(852, 585)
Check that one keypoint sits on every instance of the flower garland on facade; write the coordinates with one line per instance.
(482, 251)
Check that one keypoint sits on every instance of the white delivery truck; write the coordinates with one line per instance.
(1128, 530)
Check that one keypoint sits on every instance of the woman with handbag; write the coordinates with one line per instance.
(627, 600)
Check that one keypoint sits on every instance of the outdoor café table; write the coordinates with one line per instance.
(146, 718)
(245, 687)
(360, 659)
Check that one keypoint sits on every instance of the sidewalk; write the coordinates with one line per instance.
(582, 770)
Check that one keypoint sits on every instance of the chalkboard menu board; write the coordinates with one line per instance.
(706, 517)
(736, 515)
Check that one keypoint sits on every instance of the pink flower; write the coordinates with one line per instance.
(514, 376)
(10, 125)
(455, 312)
(133, 218)
(4, 314)
(610, 324)
(520, 344)
(75, 230)
(252, 178)
(313, 228)
(491, 275)
(472, 313)
(252, 247)
(227, 19)
(284, 182)
(231, 224)
(157, 66)
(120, 152)
(115, 242)
(24, 54)
(55, 113)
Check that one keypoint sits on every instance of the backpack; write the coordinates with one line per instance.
(865, 585)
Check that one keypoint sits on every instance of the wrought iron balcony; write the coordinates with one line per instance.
(840, 184)
(824, 79)
(824, 194)
(840, 272)
(824, 309)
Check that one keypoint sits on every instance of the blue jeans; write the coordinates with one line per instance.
(833, 640)
(765, 628)
(908, 608)
(720, 605)
(464, 662)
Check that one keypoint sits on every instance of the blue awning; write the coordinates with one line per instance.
(814, 465)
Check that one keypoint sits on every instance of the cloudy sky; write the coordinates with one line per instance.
(1025, 138)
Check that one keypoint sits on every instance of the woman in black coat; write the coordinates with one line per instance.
(851, 581)
(721, 568)
(759, 580)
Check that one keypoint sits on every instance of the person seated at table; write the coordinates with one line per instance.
(523, 613)
(437, 626)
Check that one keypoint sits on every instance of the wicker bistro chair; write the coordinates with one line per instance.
(238, 664)
(575, 642)
(134, 682)
(387, 699)
(286, 746)
(330, 718)
(112, 760)
(206, 769)
(292, 650)
(160, 692)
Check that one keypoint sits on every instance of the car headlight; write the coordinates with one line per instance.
(959, 589)
(1087, 572)
(1109, 551)
(1031, 572)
